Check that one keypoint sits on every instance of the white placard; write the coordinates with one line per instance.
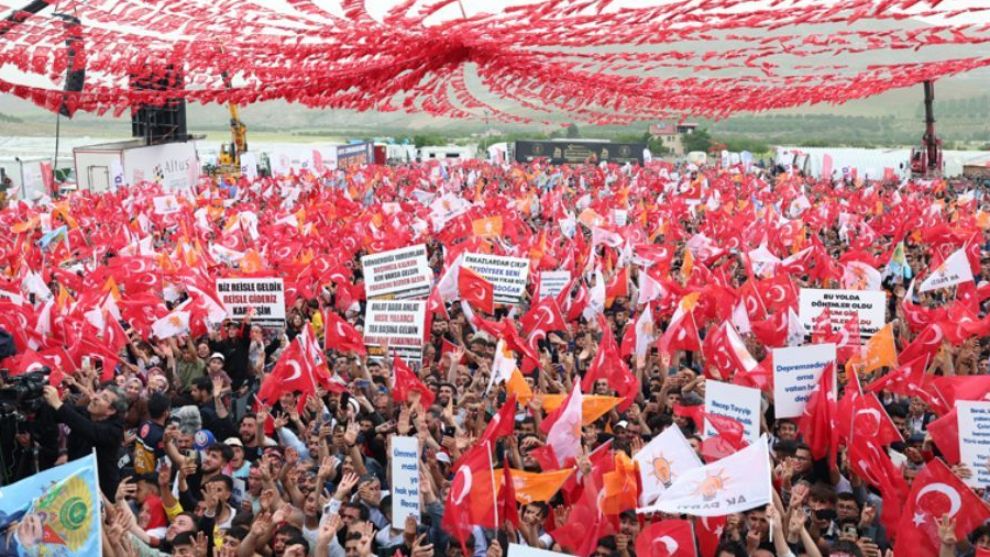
(796, 371)
(508, 275)
(401, 324)
(401, 274)
(871, 305)
(553, 282)
(974, 440)
(265, 295)
(405, 478)
(517, 550)
(733, 401)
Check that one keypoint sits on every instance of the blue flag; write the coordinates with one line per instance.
(53, 513)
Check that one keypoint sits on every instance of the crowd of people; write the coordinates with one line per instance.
(206, 447)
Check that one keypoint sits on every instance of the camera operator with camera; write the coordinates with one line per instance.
(28, 427)
(98, 426)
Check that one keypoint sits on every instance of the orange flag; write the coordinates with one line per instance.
(592, 406)
(621, 486)
(880, 350)
(517, 385)
(490, 227)
(251, 263)
(532, 486)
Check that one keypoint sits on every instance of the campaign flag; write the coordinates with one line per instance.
(662, 461)
(736, 483)
(954, 270)
(666, 538)
(57, 511)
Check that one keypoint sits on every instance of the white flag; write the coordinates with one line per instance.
(860, 276)
(952, 271)
(173, 324)
(737, 483)
(662, 461)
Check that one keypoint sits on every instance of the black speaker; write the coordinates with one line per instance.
(159, 124)
(75, 71)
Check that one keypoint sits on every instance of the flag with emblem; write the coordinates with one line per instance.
(563, 427)
(736, 483)
(173, 324)
(662, 461)
(954, 270)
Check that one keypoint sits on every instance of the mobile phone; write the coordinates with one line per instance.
(85, 362)
(850, 530)
(362, 383)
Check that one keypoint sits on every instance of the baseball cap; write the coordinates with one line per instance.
(217, 355)
(622, 423)
(443, 457)
(202, 439)
(233, 442)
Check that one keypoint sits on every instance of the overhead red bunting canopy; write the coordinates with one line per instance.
(590, 60)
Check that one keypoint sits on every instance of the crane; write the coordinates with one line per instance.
(229, 159)
(926, 160)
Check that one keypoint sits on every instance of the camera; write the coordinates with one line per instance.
(23, 392)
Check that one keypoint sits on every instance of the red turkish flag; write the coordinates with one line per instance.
(607, 364)
(508, 511)
(727, 441)
(476, 290)
(937, 492)
(407, 382)
(471, 500)
(847, 339)
(292, 373)
(861, 416)
(667, 538)
(817, 424)
(945, 434)
(341, 335)
(709, 530)
(502, 423)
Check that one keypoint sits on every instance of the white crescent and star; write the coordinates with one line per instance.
(296, 370)
(465, 474)
(955, 501)
(669, 543)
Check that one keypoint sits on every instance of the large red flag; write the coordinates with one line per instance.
(945, 434)
(817, 424)
(709, 531)
(667, 538)
(607, 364)
(341, 335)
(472, 497)
(935, 493)
(476, 290)
(292, 373)
(407, 382)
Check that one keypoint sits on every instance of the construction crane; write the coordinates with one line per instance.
(926, 160)
(229, 159)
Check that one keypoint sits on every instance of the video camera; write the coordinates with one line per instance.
(22, 393)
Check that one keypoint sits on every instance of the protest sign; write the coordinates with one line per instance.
(552, 282)
(974, 440)
(507, 274)
(870, 305)
(401, 274)
(733, 401)
(405, 478)
(796, 370)
(399, 324)
(265, 295)
(517, 550)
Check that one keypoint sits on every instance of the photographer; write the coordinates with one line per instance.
(29, 437)
(97, 426)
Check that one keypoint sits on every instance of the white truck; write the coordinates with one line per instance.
(108, 166)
